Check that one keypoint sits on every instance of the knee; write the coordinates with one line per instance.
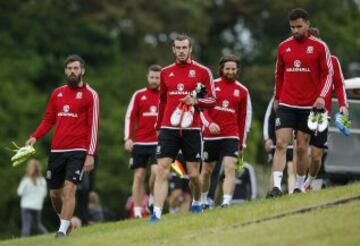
(316, 156)
(206, 171)
(139, 178)
(281, 145)
(194, 175)
(163, 172)
(301, 150)
(55, 195)
(69, 189)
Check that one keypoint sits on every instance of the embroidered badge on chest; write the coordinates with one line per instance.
(192, 73)
(310, 50)
(79, 95)
(236, 93)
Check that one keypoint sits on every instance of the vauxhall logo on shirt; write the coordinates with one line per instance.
(225, 107)
(179, 90)
(297, 68)
(66, 112)
(152, 111)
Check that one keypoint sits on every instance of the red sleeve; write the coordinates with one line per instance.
(244, 117)
(327, 71)
(210, 99)
(162, 101)
(205, 118)
(48, 120)
(93, 123)
(131, 117)
(338, 81)
(279, 75)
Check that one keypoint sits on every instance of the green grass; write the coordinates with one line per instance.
(335, 225)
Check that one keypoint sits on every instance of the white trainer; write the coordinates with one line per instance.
(176, 115)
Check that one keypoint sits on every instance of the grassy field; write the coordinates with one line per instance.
(332, 225)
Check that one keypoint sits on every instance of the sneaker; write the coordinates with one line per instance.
(70, 228)
(307, 188)
(59, 234)
(225, 205)
(343, 123)
(153, 219)
(196, 209)
(178, 168)
(322, 121)
(275, 192)
(205, 206)
(150, 208)
(176, 115)
(22, 154)
(188, 117)
(239, 164)
(297, 190)
(312, 122)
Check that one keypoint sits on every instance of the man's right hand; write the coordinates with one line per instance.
(129, 145)
(268, 144)
(31, 141)
(214, 128)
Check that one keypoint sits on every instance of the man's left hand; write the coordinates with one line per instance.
(188, 100)
(89, 163)
(344, 110)
(319, 103)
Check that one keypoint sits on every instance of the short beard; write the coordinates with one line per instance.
(230, 78)
(73, 81)
(299, 37)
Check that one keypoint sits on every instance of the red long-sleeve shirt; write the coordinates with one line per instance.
(75, 114)
(338, 86)
(303, 72)
(142, 111)
(178, 80)
(232, 111)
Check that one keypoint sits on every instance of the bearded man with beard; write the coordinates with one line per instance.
(73, 110)
(226, 127)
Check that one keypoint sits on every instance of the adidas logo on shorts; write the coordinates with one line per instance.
(277, 122)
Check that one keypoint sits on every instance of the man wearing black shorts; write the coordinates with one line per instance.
(179, 121)
(74, 111)
(303, 79)
(318, 140)
(226, 128)
(142, 112)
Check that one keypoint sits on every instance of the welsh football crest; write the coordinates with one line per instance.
(236, 93)
(192, 73)
(79, 95)
(310, 49)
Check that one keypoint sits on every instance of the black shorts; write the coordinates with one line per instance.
(176, 183)
(320, 139)
(142, 155)
(171, 141)
(215, 149)
(65, 166)
(294, 118)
